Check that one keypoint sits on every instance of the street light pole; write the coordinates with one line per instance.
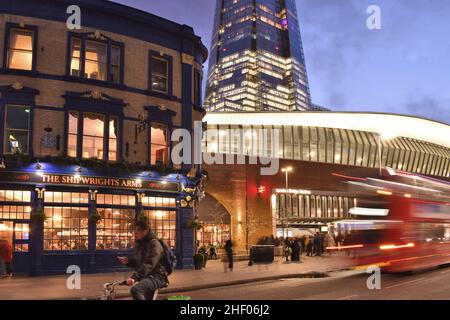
(379, 154)
(286, 171)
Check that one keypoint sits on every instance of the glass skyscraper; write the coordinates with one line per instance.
(256, 60)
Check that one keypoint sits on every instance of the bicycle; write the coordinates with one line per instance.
(109, 290)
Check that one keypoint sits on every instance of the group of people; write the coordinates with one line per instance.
(313, 246)
(5, 259)
(210, 250)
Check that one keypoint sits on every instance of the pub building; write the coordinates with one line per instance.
(86, 120)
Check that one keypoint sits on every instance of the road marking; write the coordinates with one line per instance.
(403, 283)
(348, 297)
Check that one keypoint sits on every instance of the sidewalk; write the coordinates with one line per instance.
(54, 287)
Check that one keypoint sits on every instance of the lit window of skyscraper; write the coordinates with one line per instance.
(257, 61)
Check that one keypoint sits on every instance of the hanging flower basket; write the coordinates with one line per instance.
(96, 217)
(194, 224)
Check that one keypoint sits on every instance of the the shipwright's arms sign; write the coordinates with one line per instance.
(89, 181)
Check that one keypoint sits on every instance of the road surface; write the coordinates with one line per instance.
(432, 284)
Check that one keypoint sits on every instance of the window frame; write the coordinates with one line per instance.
(109, 43)
(169, 60)
(29, 131)
(197, 96)
(26, 28)
(168, 131)
(108, 117)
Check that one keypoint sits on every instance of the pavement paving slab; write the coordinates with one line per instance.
(214, 275)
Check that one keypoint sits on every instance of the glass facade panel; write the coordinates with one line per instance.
(258, 61)
(286, 147)
(345, 147)
(329, 145)
(321, 145)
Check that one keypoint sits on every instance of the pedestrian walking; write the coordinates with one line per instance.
(296, 250)
(309, 246)
(229, 251)
(317, 241)
(287, 250)
(329, 243)
(3, 258)
(150, 264)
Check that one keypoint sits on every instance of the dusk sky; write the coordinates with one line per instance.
(402, 68)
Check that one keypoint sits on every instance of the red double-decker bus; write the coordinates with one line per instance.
(401, 223)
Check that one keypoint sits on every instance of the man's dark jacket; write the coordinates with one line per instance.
(147, 262)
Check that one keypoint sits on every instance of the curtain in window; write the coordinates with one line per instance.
(20, 55)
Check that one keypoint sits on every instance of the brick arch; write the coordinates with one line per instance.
(228, 185)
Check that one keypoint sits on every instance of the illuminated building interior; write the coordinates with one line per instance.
(257, 61)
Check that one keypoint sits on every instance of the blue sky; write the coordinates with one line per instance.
(402, 68)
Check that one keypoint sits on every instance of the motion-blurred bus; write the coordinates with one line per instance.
(401, 222)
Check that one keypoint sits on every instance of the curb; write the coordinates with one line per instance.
(221, 284)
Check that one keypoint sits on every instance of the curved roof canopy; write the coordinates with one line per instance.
(387, 125)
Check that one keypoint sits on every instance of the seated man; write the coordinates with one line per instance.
(150, 275)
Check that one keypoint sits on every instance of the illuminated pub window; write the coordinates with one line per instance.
(114, 231)
(15, 212)
(66, 226)
(75, 66)
(163, 223)
(158, 202)
(17, 129)
(66, 197)
(73, 133)
(113, 133)
(21, 236)
(159, 144)
(115, 199)
(95, 60)
(20, 49)
(15, 196)
(93, 135)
